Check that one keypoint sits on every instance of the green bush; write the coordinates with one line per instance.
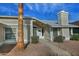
(35, 39)
(75, 37)
(59, 38)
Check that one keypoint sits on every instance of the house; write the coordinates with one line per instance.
(75, 30)
(35, 27)
(63, 27)
(9, 28)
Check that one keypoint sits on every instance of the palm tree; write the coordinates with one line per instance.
(20, 41)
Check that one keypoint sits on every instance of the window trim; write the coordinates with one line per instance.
(9, 32)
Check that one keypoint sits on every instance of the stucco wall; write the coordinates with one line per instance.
(65, 33)
(63, 18)
(39, 33)
(1, 33)
(51, 35)
(13, 23)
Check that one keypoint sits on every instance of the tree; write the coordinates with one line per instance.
(20, 41)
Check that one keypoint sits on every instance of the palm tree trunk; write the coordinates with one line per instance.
(20, 41)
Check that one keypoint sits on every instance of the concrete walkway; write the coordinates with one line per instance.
(38, 49)
(43, 48)
(55, 49)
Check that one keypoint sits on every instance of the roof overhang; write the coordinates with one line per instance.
(40, 24)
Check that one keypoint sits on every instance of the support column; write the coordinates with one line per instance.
(34, 31)
(20, 42)
(58, 30)
(71, 31)
(28, 30)
(51, 34)
(65, 33)
(46, 34)
(31, 30)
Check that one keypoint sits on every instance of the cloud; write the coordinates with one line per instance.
(41, 10)
(37, 7)
(29, 6)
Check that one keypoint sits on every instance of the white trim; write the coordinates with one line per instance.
(51, 35)
(71, 31)
(15, 35)
(4, 33)
(10, 41)
(58, 30)
(31, 29)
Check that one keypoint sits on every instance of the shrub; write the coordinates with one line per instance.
(75, 37)
(59, 38)
(35, 39)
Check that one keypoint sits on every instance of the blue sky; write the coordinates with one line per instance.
(44, 11)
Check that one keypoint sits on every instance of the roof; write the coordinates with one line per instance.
(57, 25)
(52, 24)
(62, 11)
(16, 17)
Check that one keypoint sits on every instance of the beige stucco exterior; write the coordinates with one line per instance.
(63, 20)
(48, 33)
(12, 22)
(1, 32)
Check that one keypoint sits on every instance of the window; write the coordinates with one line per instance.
(39, 30)
(55, 33)
(76, 30)
(42, 32)
(10, 33)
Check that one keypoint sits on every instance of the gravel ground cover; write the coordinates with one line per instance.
(71, 46)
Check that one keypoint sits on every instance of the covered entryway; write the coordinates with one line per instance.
(42, 30)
